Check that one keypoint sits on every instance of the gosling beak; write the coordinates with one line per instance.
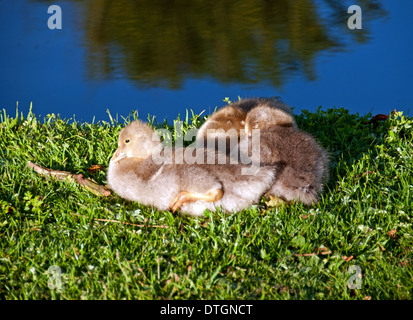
(118, 156)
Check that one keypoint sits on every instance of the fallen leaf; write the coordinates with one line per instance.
(377, 118)
(306, 216)
(274, 201)
(205, 223)
(392, 233)
(96, 168)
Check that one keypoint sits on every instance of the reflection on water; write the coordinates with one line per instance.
(161, 42)
(162, 57)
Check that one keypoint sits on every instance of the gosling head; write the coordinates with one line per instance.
(263, 117)
(137, 140)
(231, 118)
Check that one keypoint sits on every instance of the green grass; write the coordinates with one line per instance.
(254, 254)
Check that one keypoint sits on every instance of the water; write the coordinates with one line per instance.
(162, 58)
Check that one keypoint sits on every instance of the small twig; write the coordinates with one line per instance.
(90, 185)
(304, 254)
(58, 175)
(323, 252)
(117, 221)
(347, 259)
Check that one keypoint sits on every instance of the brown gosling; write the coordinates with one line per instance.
(301, 163)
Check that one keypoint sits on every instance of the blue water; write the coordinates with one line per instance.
(47, 67)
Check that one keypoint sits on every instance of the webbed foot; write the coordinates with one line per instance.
(185, 196)
(274, 201)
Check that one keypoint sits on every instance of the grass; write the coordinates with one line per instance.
(364, 219)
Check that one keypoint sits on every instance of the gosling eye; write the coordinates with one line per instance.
(127, 141)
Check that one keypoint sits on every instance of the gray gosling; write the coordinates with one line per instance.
(137, 172)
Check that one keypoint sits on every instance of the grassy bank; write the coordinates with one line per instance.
(364, 220)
